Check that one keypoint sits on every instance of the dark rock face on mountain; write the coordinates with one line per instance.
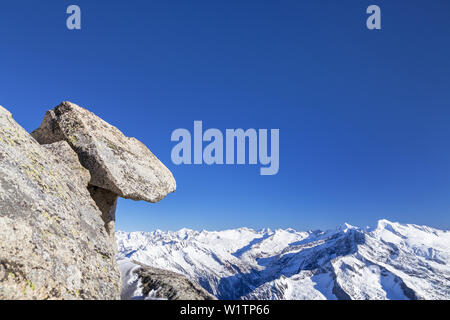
(170, 285)
(154, 283)
(58, 195)
(53, 243)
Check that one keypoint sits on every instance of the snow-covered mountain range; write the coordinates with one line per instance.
(390, 261)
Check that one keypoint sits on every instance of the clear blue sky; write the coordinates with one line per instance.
(364, 116)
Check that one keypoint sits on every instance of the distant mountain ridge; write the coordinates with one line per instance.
(390, 261)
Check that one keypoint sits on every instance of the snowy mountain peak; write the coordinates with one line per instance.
(383, 224)
(345, 227)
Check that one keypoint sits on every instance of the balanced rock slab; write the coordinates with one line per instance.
(117, 163)
(53, 243)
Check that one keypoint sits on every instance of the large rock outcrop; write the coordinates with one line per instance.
(53, 242)
(120, 166)
(58, 196)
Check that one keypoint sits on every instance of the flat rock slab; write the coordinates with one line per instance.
(117, 163)
(53, 243)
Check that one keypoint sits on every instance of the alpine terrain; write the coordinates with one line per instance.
(390, 261)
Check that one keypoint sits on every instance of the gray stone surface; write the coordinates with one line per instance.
(66, 156)
(117, 163)
(53, 242)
